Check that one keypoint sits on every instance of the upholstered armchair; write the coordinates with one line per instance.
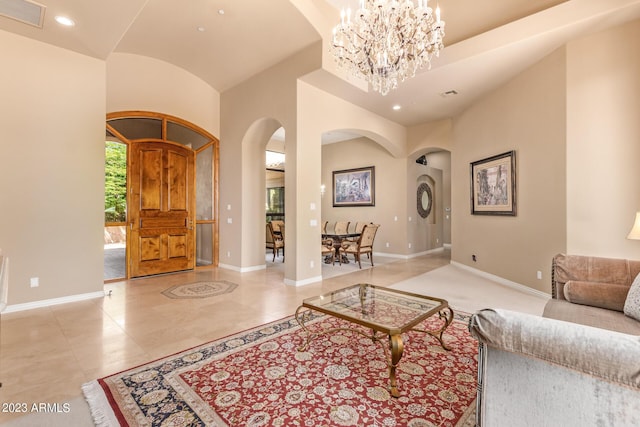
(341, 227)
(329, 251)
(326, 241)
(358, 229)
(275, 243)
(277, 226)
(364, 244)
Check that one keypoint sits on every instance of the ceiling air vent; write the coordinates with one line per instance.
(449, 93)
(25, 11)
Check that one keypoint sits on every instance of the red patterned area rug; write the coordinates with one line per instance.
(259, 378)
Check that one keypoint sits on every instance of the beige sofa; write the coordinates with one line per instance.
(592, 291)
(579, 365)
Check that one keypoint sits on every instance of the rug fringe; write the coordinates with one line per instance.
(101, 411)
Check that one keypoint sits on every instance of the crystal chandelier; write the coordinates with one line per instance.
(387, 40)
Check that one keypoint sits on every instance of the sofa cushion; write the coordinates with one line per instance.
(591, 316)
(603, 295)
(591, 269)
(632, 304)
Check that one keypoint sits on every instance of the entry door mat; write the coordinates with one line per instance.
(200, 289)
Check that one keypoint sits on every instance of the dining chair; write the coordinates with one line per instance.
(364, 244)
(341, 227)
(360, 226)
(277, 225)
(326, 241)
(358, 229)
(282, 238)
(275, 243)
(329, 251)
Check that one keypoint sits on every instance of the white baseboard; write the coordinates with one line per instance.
(262, 267)
(408, 256)
(229, 267)
(308, 281)
(242, 269)
(253, 268)
(54, 301)
(502, 280)
(389, 255)
(430, 251)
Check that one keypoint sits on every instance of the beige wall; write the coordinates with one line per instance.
(137, 82)
(603, 142)
(424, 234)
(390, 201)
(572, 119)
(526, 115)
(320, 112)
(434, 231)
(396, 181)
(442, 160)
(250, 113)
(51, 169)
(434, 139)
(429, 137)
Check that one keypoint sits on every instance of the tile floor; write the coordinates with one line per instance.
(47, 354)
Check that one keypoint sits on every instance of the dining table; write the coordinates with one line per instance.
(337, 244)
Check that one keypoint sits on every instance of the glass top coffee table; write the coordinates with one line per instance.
(386, 312)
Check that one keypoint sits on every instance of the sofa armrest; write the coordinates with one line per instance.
(603, 354)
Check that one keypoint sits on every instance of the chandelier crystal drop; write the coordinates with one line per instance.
(387, 41)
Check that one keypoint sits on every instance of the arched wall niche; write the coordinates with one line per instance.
(432, 167)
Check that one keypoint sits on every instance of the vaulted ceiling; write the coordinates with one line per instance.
(224, 42)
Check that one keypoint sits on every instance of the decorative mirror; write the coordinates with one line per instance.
(425, 200)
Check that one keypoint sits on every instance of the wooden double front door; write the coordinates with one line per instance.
(161, 208)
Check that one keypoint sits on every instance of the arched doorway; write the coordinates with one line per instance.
(430, 199)
(275, 193)
(186, 216)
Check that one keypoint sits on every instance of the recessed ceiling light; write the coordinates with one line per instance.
(63, 20)
(201, 29)
(220, 11)
(397, 107)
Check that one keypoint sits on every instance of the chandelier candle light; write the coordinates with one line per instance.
(387, 40)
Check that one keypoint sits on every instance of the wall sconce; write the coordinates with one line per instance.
(322, 190)
(422, 160)
(634, 234)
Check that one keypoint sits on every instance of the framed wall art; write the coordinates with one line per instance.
(493, 185)
(354, 187)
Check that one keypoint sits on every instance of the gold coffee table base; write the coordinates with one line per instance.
(393, 351)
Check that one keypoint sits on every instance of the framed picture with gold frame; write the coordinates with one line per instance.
(493, 185)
